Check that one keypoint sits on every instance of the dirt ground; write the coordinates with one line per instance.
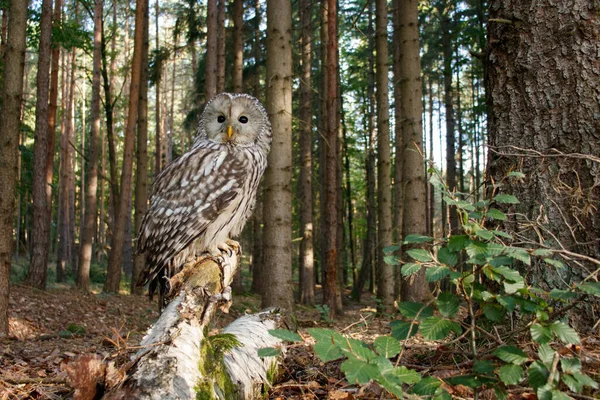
(49, 329)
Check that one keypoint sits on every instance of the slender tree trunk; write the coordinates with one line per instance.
(430, 188)
(322, 128)
(238, 46)
(543, 91)
(278, 192)
(461, 144)
(257, 248)
(159, 139)
(115, 261)
(11, 94)
(38, 267)
(141, 178)
(221, 46)
(385, 272)
(3, 31)
(91, 190)
(211, 68)
(413, 171)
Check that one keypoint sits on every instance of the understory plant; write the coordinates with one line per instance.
(505, 331)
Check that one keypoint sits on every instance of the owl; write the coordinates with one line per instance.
(205, 196)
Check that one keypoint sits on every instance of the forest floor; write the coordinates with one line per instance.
(50, 329)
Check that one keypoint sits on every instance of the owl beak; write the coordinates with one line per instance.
(229, 131)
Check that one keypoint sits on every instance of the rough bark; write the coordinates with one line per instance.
(238, 46)
(221, 46)
(306, 255)
(544, 86)
(210, 75)
(10, 119)
(257, 247)
(38, 267)
(414, 221)
(115, 260)
(91, 195)
(277, 205)
(141, 172)
(385, 272)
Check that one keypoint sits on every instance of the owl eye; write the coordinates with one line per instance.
(243, 119)
(220, 119)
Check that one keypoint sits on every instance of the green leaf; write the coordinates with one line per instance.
(268, 352)
(510, 374)
(400, 330)
(441, 394)
(496, 214)
(436, 273)
(445, 256)
(544, 392)
(387, 346)
(511, 354)
(322, 334)
(427, 386)
(285, 335)
(409, 269)
(493, 312)
(502, 234)
(546, 354)
(476, 248)
(519, 254)
(506, 199)
(572, 383)
(406, 375)
(590, 288)
(508, 273)
(541, 334)
(410, 309)
(511, 288)
(537, 375)
(415, 238)
(500, 392)
(558, 395)
(420, 255)
(565, 333)
(484, 367)
(542, 252)
(327, 351)
(436, 328)
(391, 249)
(585, 380)
(359, 371)
(457, 243)
(516, 174)
(555, 263)
(570, 365)
(447, 304)
(562, 294)
(392, 260)
(507, 302)
(485, 234)
(359, 349)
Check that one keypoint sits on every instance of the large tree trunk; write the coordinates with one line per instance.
(277, 205)
(221, 46)
(141, 177)
(91, 196)
(306, 264)
(10, 118)
(414, 221)
(385, 272)
(159, 136)
(238, 46)
(544, 86)
(38, 268)
(115, 260)
(210, 74)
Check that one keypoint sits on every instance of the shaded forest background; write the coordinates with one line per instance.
(365, 106)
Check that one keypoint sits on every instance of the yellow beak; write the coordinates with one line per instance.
(229, 131)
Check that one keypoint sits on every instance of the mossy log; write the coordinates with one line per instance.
(179, 360)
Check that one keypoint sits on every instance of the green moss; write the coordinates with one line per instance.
(213, 369)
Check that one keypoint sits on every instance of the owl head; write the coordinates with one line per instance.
(235, 119)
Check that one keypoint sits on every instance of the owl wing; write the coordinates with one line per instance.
(187, 196)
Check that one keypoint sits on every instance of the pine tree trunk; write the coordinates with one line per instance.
(238, 46)
(159, 140)
(38, 267)
(10, 120)
(115, 261)
(544, 86)
(211, 68)
(414, 221)
(221, 46)
(141, 177)
(278, 177)
(306, 259)
(385, 272)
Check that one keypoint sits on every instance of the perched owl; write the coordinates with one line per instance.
(206, 195)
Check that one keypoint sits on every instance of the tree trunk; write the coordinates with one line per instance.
(10, 119)
(115, 260)
(211, 71)
(543, 109)
(414, 221)
(159, 136)
(141, 177)
(278, 178)
(221, 46)
(306, 259)
(385, 272)
(91, 199)
(257, 248)
(38, 267)
(238, 46)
